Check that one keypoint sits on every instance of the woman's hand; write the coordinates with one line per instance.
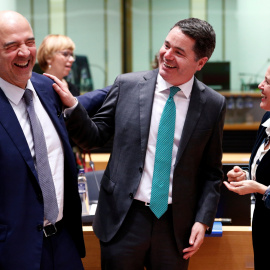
(62, 90)
(245, 187)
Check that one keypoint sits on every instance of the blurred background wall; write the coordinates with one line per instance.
(119, 36)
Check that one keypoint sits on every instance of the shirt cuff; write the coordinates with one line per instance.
(68, 111)
(266, 193)
(247, 174)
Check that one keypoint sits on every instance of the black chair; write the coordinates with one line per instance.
(93, 183)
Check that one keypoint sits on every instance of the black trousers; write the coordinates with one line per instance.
(60, 253)
(143, 241)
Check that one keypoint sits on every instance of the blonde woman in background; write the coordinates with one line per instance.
(56, 56)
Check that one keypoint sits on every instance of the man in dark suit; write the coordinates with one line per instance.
(23, 222)
(131, 234)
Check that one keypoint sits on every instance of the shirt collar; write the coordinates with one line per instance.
(185, 88)
(267, 125)
(13, 92)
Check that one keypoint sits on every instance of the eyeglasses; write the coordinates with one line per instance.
(67, 55)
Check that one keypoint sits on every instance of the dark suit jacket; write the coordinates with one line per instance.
(21, 204)
(126, 114)
(74, 90)
(93, 100)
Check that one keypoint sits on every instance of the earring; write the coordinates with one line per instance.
(50, 66)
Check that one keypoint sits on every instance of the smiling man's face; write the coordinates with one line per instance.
(17, 49)
(177, 59)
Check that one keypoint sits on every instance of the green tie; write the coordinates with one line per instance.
(163, 157)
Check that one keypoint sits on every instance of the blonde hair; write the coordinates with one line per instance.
(50, 45)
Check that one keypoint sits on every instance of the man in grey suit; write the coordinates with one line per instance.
(131, 235)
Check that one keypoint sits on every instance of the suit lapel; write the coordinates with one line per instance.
(49, 100)
(53, 109)
(259, 141)
(196, 104)
(9, 121)
(146, 96)
(147, 90)
(45, 98)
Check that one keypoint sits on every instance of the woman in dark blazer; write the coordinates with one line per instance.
(257, 181)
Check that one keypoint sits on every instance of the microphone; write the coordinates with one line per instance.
(92, 165)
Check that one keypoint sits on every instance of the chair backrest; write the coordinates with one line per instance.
(93, 184)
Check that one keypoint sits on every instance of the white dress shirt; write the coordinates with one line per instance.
(181, 99)
(53, 142)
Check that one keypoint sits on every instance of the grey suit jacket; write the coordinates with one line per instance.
(126, 114)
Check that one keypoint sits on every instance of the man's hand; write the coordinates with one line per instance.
(195, 240)
(61, 89)
(236, 174)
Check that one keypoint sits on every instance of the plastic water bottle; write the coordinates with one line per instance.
(83, 191)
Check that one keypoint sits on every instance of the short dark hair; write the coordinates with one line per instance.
(203, 34)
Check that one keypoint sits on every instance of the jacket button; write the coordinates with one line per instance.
(140, 169)
(39, 227)
(131, 195)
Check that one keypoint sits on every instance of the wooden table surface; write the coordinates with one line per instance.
(231, 251)
(101, 160)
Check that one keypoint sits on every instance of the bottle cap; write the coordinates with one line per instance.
(81, 170)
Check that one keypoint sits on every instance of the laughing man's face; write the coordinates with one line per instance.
(17, 51)
(177, 60)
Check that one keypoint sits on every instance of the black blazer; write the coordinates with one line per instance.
(261, 215)
(262, 172)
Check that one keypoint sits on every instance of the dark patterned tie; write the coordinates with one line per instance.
(42, 162)
(163, 157)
